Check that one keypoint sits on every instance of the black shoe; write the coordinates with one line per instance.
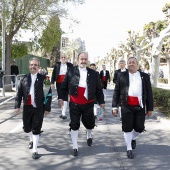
(35, 155)
(89, 141)
(63, 117)
(30, 145)
(74, 152)
(130, 154)
(133, 144)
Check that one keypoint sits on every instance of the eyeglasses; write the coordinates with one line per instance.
(34, 65)
(63, 57)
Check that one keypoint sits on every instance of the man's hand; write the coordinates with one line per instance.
(46, 113)
(60, 103)
(102, 106)
(115, 112)
(52, 86)
(149, 113)
(17, 110)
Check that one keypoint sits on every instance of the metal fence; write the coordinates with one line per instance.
(17, 80)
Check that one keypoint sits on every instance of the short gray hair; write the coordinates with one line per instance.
(122, 61)
(34, 58)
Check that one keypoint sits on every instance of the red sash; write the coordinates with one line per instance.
(133, 101)
(60, 78)
(80, 99)
(104, 78)
(29, 100)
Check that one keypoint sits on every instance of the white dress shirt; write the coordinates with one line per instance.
(135, 86)
(63, 69)
(83, 81)
(32, 89)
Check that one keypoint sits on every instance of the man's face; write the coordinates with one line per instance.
(33, 66)
(63, 59)
(132, 65)
(93, 67)
(122, 65)
(104, 67)
(83, 60)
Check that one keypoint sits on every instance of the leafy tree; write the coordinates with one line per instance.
(27, 14)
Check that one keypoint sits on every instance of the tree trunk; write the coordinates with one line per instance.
(7, 64)
(155, 70)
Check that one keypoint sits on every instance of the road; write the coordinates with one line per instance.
(107, 152)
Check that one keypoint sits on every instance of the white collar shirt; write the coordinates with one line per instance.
(63, 69)
(135, 86)
(32, 89)
(83, 80)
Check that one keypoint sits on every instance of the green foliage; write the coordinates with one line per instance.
(19, 50)
(51, 35)
(162, 99)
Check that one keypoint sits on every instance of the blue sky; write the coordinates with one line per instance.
(104, 23)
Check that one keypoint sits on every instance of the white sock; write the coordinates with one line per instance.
(89, 133)
(35, 142)
(64, 108)
(128, 140)
(30, 135)
(135, 134)
(120, 114)
(74, 137)
(95, 109)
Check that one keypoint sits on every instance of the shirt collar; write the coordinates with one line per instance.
(34, 75)
(82, 69)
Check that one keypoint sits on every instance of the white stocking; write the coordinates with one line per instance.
(30, 135)
(128, 140)
(135, 134)
(120, 114)
(35, 142)
(89, 133)
(74, 137)
(64, 108)
(95, 109)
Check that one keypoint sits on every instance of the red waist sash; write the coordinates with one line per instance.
(80, 99)
(133, 101)
(104, 78)
(29, 100)
(60, 78)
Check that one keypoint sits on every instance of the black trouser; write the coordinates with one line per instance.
(133, 117)
(32, 119)
(58, 85)
(104, 84)
(84, 110)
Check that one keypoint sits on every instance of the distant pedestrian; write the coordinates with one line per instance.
(58, 74)
(35, 104)
(14, 71)
(133, 93)
(105, 79)
(122, 64)
(93, 66)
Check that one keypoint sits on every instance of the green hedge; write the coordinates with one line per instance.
(162, 99)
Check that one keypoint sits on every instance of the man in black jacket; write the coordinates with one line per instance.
(122, 65)
(58, 75)
(14, 71)
(105, 78)
(35, 105)
(133, 93)
(83, 85)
